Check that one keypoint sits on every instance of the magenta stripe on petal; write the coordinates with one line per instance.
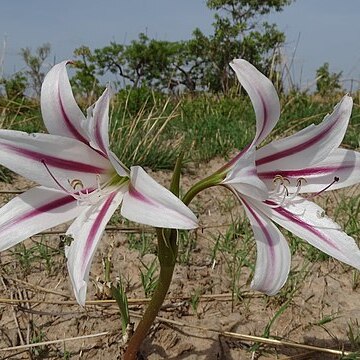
(295, 219)
(50, 206)
(96, 226)
(54, 161)
(266, 233)
(99, 139)
(295, 149)
(98, 136)
(99, 113)
(314, 171)
(265, 114)
(69, 124)
(139, 196)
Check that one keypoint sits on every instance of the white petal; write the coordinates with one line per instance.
(61, 114)
(340, 169)
(273, 254)
(262, 95)
(36, 210)
(308, 147)
(120, 168)
(309, 222)
(243, 177)
(97, 123)
(51, 160)
(87, 230)
(147, 202)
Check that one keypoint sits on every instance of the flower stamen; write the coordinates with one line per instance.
(281, 193)
(298, 188)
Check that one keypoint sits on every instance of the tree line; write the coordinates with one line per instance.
(197, 64)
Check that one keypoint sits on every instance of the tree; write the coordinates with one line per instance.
(238, 33)
(161, 65)
(327, 83)
(34, 63)
(84, 82)
(186, 67)
(148, 61)
(15, 86)
(110, 58)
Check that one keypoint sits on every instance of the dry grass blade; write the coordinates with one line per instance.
(43, 343)
(12, 191)
(120, 229)
(162, 127)
(37, 287)
(205, 297)
(134, 134)
(148, 126)
(256, 339)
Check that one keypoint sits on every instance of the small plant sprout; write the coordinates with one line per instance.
(81, 178)
(119, 295)
(148, 277)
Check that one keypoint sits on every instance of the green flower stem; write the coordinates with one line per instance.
(212, 180)
(167, 248)
(167, 254)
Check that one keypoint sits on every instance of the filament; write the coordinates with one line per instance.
(281, 193)
(53, 177)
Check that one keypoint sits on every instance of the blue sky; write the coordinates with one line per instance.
(322, 31)
(319, 30)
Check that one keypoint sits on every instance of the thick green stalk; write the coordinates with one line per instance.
(167, 247)
(212, 180)
(167, 254)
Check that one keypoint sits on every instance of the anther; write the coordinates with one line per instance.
(76, 183)
(281, 179)
(300, 180)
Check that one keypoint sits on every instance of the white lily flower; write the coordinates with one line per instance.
(268, 182)
(80, 178)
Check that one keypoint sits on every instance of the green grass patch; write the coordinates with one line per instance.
(150, 129)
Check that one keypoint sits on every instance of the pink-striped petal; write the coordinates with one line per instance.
(51, 160)
(273, 253)
(309, 146)
(97, 127)
(243, 178)
(309, 222)
(61, 114)
(147, 202)
(340, 169)
(86, 231)
(36, 210)
(262, 95)
(97, 123)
